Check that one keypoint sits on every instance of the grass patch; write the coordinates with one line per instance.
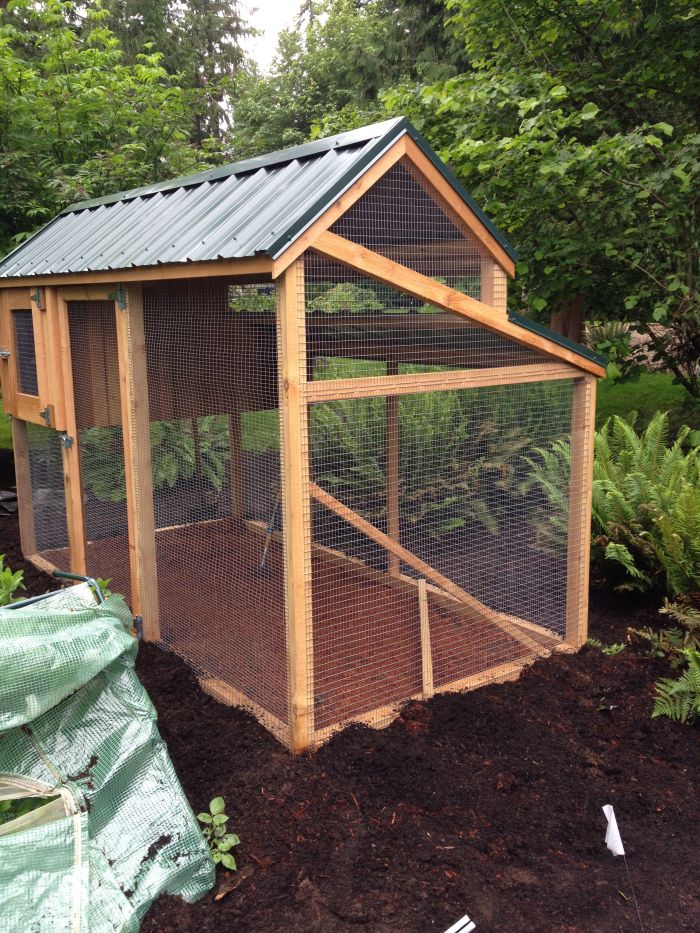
(651, 393)
(5, 429)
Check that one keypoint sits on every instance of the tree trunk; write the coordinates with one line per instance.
(568, 321)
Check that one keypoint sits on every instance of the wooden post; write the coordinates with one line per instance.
(72, 482)
(296, 509)
(580, 498)
(236, 463)
(393, 442)
(425, 649)
(133, 384)
(494, 285)
(25, 505)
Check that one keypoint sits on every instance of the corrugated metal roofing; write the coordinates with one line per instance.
(258, 206)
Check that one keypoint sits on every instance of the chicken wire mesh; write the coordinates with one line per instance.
(402, 218)
(452, 477)
(96, 392)
(49, 528)
(23, 325)
(215, 448)
(357, 326)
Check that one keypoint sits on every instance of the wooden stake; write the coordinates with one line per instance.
(425, 649)
(133, 384)
(580, 499)
(393, 443)
(296, 508)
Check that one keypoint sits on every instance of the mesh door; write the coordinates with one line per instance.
(212, 385)
(96, 391)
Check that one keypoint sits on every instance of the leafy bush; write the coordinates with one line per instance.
(671, 643)
(219, 840)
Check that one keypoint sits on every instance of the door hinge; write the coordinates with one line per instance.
(119, 296)
(66, 441)
(38, 298)
(46, 415)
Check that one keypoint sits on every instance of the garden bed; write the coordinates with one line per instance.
(486, 803)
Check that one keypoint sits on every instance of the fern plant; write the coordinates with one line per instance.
(679, 697)
(646, 505)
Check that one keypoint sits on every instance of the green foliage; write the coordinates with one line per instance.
(10, 582)
(346, 297)
(679, 697)
(78, 120)
(13, 809)
(577, 131)
(219, 840)
(646, 506)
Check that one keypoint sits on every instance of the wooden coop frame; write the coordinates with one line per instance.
(28, 285)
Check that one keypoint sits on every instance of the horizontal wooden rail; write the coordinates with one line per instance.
(420, 286)
(478, 608)
(415, 383)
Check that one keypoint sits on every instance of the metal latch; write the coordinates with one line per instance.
(4, 353)
(66, 441)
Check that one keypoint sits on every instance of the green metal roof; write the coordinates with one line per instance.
(258, 206)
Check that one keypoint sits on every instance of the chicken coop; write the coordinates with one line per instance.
(283, 406)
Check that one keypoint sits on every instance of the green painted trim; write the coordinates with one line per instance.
(528, 324)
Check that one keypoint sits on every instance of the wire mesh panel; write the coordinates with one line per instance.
(356, 326)
(95, 369)
(48, 503)
(402, 218)
(26, 352)
(214, 432)
(434, 537)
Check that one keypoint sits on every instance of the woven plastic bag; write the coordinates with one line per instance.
(78, 729)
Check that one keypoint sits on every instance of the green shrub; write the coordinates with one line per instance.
(646, 506)
(10, 582)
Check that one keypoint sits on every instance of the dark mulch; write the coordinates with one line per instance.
(487, 803)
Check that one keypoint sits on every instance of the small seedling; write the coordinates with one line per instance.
(609, 650)
(220, 841)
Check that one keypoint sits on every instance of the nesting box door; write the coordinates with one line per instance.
(23, 352)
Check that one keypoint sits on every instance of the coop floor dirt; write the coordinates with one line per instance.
(219, 613)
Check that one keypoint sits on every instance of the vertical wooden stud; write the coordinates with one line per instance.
(7, 380)
(291, 318)
(393, 442)
(55, 376)
(580, 500)
(72, 483)
(425, 649)
(25, 506)
(236, 463)
(133, 385)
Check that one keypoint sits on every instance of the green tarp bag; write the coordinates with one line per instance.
(78, 731)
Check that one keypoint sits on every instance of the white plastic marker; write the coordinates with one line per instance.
(613, 840)
(465, 925)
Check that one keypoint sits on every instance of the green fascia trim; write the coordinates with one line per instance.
(528, 324)
(304, 151)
